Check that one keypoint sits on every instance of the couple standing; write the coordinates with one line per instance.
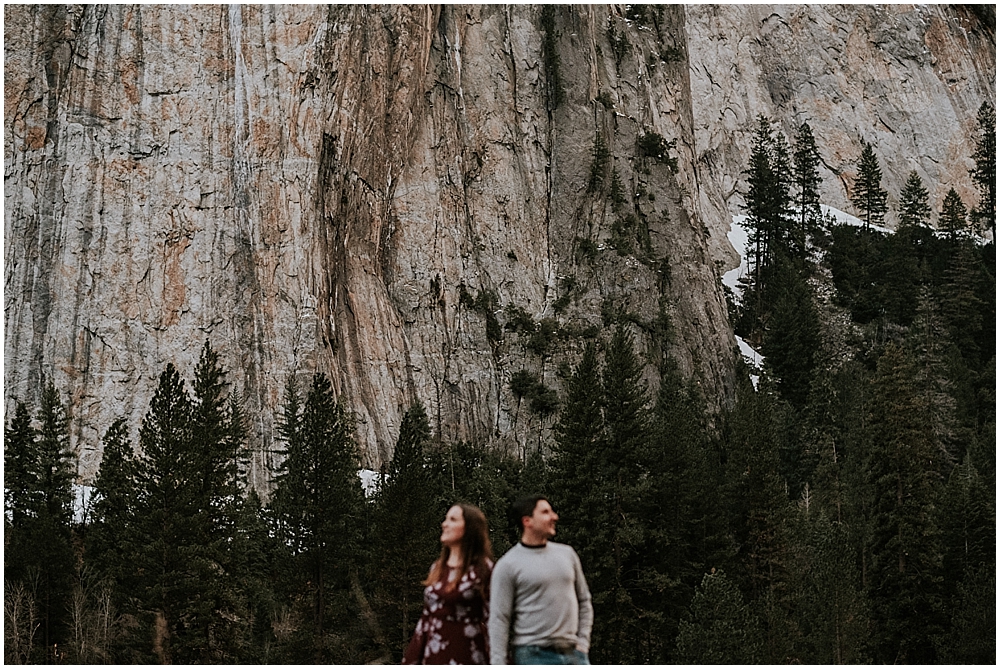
(535, 600)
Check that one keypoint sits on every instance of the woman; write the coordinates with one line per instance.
(452, 627)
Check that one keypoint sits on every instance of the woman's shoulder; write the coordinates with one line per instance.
(481, 571)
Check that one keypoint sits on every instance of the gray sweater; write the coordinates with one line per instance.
(538, 596)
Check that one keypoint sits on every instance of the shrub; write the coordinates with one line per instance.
(585, 248)
(653, 145)
(522, 382)
(519, 320)
(617, 194)
(561, 303)
(545, 401)
(550, 56)
(599, 165)
(671, 54)
(541, 399)
(541, 340)
(485, 304)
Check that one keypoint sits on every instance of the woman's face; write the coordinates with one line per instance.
(453, 527)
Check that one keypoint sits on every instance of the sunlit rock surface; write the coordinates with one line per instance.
(309, 188)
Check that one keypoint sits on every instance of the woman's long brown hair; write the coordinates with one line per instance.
(476, 548)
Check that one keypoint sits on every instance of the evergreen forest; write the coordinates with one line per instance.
(840, 511)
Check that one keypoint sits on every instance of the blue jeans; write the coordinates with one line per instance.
(542, 655)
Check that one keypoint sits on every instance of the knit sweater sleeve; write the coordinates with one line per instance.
(583, 599)
(501, 611)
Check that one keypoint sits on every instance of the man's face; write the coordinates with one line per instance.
(542, 522)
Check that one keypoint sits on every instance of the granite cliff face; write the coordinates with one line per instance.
(376, 192)
(907, 79)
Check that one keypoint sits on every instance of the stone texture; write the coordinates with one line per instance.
(309, 188)
(906, 78)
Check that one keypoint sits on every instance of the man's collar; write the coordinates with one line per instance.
(533, 546)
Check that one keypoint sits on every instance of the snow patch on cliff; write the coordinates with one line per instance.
(739, 237)
(369, 481)
(752, 358)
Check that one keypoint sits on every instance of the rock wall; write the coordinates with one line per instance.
(907, 79)
(330, 188)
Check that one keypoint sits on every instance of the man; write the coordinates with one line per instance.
(539, 601)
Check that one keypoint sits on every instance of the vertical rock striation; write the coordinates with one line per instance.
(377, 192)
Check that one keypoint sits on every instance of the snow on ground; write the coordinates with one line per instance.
(843, 218)
(753, 357)
(83, 494)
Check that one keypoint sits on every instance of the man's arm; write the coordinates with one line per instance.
(501, 611)
(586, 615)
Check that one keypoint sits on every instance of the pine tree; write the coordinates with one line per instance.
(279, 512)
(38, 553)
(50, 536)
(57, 463)
(626, 398)
(631, 572)
(406, 523)
(784, 239)
(898, 275)
(111, 540)
(770, 177)
(854, 258)
(600, 471)
(215, 448)
(720, 628)
(833, 612)
(289, 426)
(758, 511)
(762, 183)
(22, 496)
(953, 215)
(972, 638)
(579, 438)
(319, 502)
(166, 518)
(792, 339)
(805, 175)
(905, 547)
(934, 356)
(20, 472)
(960, 304)
(868, 195)
(985, 173)
(837, 433)
(480, 476)
(256, 554)
(967, 514)
(685, 533)
(914, 207)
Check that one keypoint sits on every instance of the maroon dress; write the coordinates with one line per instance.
(452, 627)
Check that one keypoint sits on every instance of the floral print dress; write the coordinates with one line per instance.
(452, 627)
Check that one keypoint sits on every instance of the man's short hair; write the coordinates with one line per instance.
(524, 506)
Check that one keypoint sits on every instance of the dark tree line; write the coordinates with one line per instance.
(876, 436)
(841, 511)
